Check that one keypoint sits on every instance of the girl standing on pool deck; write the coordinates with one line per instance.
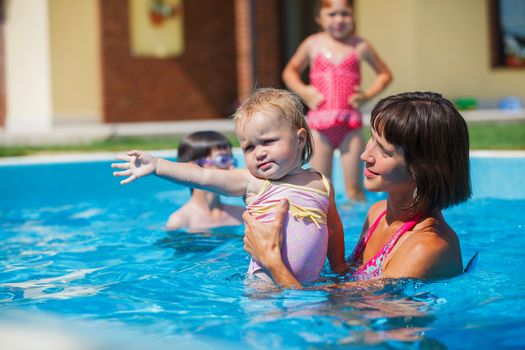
(204, 209)
(418, 154)
(333, 96)
(276, 143)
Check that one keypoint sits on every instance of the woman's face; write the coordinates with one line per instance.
(385, 167)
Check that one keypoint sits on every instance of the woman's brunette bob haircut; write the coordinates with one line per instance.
(433, 138)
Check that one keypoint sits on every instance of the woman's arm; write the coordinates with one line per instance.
(138, 164)
(382, 80)
(263, 242)
(336, 238)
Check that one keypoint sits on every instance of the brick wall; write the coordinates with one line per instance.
(2, 74)
(200, 84)
(268, 51)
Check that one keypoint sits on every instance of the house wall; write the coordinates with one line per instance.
(199, 84)
(268, 43)
(75, 60)
(442, 46)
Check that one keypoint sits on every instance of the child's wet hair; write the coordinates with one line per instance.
(286, 103)
(200, 144)
(433, 138)
(319, 4)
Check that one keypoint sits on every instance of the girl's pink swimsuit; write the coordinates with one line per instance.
(305, 233)
(334, 117)
(373, 266)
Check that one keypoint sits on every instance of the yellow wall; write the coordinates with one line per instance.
(434, 45)
(75, 60)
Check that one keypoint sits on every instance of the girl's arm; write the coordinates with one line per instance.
(336, 238)
(292, 75)
(226, 182)
(383, 78)
(264, 241)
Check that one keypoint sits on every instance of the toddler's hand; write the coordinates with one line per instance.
(312, 97)
(357, 99)
(137, 164)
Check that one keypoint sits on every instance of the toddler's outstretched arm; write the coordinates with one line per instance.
(138, 164)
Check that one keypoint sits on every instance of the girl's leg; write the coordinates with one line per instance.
(351, 149)
(323, 154)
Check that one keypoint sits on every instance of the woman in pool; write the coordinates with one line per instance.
(204, 209)
(418, 155)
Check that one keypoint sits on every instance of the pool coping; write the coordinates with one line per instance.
(107, 156)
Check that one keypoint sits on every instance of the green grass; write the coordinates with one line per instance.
(497, 136)
(487, 136)
(111, 144)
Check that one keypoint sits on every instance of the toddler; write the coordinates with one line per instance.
(276, 143)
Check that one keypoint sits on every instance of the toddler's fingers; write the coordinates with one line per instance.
(123, 173)
(135, 153)
(124, 157)
(121, 165)
(128, 180)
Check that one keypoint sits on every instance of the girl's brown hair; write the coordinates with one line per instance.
(433, 138)
(200, 144)
(319, 4)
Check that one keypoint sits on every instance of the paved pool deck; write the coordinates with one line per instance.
(83, 132)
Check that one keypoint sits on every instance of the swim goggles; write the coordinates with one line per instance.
(222, 162)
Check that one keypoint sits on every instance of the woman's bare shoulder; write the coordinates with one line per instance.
(432, 251)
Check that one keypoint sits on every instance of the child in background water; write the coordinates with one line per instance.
(276, 143)
(334, 96)
(204, 210)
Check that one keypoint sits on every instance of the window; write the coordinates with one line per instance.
(507, 26)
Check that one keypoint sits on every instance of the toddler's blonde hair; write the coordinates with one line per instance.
(286, 103)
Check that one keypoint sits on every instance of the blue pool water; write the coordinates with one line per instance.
(84, 251)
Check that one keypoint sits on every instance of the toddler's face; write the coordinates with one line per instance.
(337, 19)
(271, 148)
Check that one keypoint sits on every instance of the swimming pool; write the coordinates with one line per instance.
(89, 253)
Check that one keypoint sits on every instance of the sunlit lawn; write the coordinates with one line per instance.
(486, 136)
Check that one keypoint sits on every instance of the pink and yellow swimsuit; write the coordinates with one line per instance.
(305, 233)
(372, 268)
(334, 117)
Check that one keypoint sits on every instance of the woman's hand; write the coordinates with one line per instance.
(264, 241)
(137, 164)
(311, 96)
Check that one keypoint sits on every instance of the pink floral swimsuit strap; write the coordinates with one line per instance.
(372, 268)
